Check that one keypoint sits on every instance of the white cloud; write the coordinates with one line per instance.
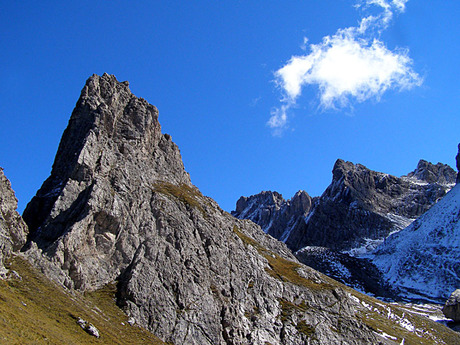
(278, 119)
(352, 64)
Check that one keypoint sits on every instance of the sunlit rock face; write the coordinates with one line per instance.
(13, 230)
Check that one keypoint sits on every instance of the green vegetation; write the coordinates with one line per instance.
(187, 195)
(288, 308)
(34, 310)
(279, 267)
(305, 328)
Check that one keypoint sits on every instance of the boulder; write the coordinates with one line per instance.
(452, 307)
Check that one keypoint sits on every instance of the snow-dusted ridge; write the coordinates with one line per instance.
(422, 260)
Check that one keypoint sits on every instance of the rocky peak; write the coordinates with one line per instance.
(359, 208)
(111, 133)
(272, 212)
(431, 173)
(267, 198)
(13, 230)
(300, 203)
(361, 205)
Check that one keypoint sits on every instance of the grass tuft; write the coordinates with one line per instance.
(186, 194)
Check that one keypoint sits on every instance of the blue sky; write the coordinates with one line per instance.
(215, 71)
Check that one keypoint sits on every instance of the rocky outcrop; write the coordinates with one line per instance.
(362, 205)
(451, 308)
(119, 207)
(433, 173)
(13, 230)
(275, 215)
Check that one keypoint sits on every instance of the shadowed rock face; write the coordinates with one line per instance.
(451, 308)
(119, 206)
(13, 230)
(364, 204)
(457, 159)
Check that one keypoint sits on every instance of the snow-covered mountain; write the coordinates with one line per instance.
(423, 260)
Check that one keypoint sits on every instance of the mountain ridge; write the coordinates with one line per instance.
(359, 195)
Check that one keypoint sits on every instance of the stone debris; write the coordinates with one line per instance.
(88, 327)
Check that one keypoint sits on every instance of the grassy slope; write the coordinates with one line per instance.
(34, 310)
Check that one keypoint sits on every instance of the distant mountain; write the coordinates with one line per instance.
(275, 215)
(357, 211)
(354, 215)
(422, 261)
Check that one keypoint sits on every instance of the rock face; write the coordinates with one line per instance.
(119, 206)
(275, 215)
(13, 230)
(360, 208)
(421, 261)
(452, 307)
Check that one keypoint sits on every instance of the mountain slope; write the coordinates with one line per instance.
(35, 310)
(422, 260)
(120, 209)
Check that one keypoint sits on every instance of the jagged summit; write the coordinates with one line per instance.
(427, 172)
(272, 212)
(111, 152)
(111, 132)
(358, 209)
